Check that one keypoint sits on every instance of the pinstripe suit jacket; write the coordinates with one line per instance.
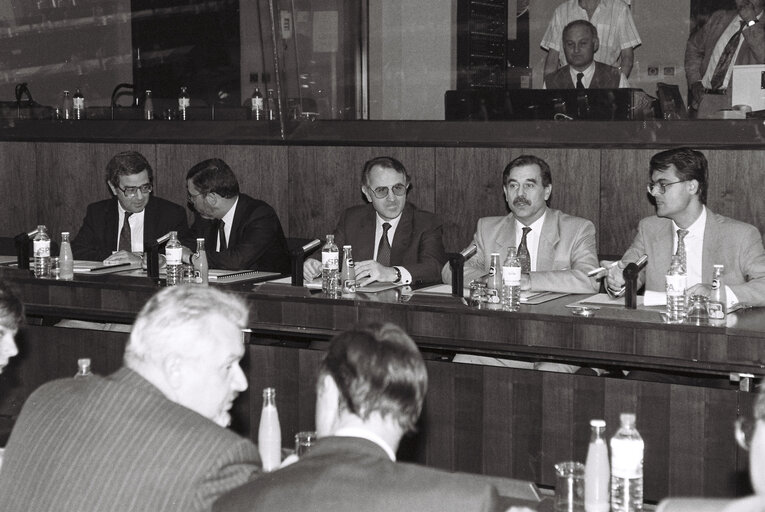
(117, 444)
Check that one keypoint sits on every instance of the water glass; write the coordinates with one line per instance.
(303, 442)
(477, 294)
(697, 312)
(569, 487)
(55, 268)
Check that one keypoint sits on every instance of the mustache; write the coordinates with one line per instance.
(521, 201)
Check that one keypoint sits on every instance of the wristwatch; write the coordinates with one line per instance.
(398, 275)
(751, 23)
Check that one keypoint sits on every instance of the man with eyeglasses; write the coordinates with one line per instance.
(678, 188)
(392, 240)
(118, 230)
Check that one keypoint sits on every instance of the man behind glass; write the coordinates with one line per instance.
(120, 229)
(393, 241)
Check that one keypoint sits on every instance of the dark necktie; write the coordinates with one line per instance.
(126, 242)
(718, 77)
(579, 84)
(383, 248)
(222, 235)
(681, 247)
(523, 253)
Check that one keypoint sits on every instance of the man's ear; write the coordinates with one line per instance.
(367, 193)
(595, 45)
(112, 187)
(172, 369)
(212, 198)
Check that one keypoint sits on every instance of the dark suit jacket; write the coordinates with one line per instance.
(256, 241)
(349, 474)
(417, 244)
(605, 77)
(735, 244)
(97, 238)
(116, 443)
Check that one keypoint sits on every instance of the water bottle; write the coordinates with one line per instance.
(256, 106)
(494, 283)
(65, 258)
(348, 276)
(330, 267)
(148, 106)
(270, 432)
(78, 105)
(184, 102)
(597, 472)
(718, 301)
(676, 282)
(627, 467)
(41, 250)
(201, 268)
(511, 281)
(66, 106)
(273, 114)
(173, 255)
(83, 368)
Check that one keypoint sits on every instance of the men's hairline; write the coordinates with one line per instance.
(381, 166)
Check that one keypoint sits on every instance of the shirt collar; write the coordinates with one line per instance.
(369, 436)
(121, 210)
(393, 222)
(697, 228)
(229, 217)
(536, 226)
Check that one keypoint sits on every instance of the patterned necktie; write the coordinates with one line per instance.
(222, 235)
(126, 242)
(383, 248)
(681, 247)
(721, 70)
(523, 253)
(579, 84)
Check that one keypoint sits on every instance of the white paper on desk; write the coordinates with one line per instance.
(602, 299)
(652, 298)
(315, 284)
(437, 289)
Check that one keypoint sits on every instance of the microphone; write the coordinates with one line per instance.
(468, 251)
(310, 246)
(164, 238)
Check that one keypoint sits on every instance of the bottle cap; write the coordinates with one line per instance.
(84, 362)
(346, 247)
(65, 233)
(627, 418)
(598, 423)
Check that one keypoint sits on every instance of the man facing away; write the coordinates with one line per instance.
(728, 37)
(240, 232)
(393, 241)
(614, 23)
(678, 187)
(561, 247)
(120, 229)
(580, 43)
(150, 436)
(370, 391)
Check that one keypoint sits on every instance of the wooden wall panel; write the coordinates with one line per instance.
(19, 182)
(736, 185)
(324, 181)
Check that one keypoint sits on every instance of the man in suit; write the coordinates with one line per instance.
(120, 229)
(580, 42)
(240, 232)
(393, 241)
(678, 187)
(370, 391)
(727, 38)
(561, 248)
(150, 436)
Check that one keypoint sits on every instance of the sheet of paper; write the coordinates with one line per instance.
(602, 299)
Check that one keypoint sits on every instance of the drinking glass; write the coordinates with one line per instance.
(303, 442)
(569, 487)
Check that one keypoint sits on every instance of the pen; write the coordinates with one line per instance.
(109, 267)
(598, 270)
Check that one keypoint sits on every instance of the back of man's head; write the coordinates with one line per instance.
(127, 163)
(377, 369)
(214, 176)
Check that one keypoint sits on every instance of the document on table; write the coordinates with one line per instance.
(315, 284)
(98, 267)
(603, 299)
(527, 297)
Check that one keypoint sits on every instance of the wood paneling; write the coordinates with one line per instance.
(19, 184)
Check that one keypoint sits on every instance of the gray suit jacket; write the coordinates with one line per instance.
(567, 251)
(350, 474)
(735, 244)
(116, 443)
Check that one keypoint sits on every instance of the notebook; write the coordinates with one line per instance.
(234, 276)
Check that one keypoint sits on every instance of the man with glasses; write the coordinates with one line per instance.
(240, 232)
(393, 241)
(118, 230)
(678, 188)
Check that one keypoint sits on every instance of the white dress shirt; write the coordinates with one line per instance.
(406, 277)
(229, 220)
(532, 239)
(717, 51)
(136, 229)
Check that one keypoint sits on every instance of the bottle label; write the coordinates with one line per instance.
(330, 260)
(257, 103)
(511, 276)
(79, 103)
(184, 102)
(492, 270)
(716, 311)
(627, 458)
(715, 284)
(41, 248)
(173, 255)
(675, 285)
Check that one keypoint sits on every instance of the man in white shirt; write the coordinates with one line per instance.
(370, 392)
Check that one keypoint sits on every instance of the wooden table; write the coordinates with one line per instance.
(482, 419)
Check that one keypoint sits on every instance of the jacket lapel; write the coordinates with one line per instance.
(403, 237)
(711, 246)
(112, 225)
(663, 240)
(366, 233)
(505, 239)
(548, 239)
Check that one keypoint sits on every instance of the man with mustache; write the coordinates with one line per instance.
(561, 247)
(727, 38)
(150, 436)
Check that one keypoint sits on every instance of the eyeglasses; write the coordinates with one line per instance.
(381, 192)
(190, 197)
(133, 191)
(661, 186)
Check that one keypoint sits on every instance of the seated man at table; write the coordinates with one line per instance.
(580, 42)
(556, 250)
(120, 229)
(393, 241)
(370, 391)
(685, 226)
(240, 232)
(150, 436)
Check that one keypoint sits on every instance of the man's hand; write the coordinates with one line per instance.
(311, 269)
(123, 257)
(615, 276)
(369, 271)
(705, 290)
